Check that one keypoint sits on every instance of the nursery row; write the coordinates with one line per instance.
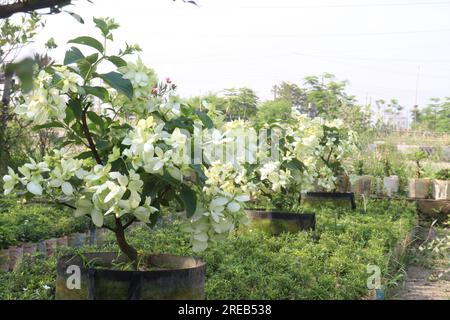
(390, 186)
(34, 223)
(12, 257)
(254, 265)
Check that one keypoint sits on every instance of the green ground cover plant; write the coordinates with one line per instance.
(22, 222)
(254, 265)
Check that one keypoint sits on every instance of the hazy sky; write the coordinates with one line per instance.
(378, 45)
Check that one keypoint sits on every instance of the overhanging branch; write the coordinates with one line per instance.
(7, 10)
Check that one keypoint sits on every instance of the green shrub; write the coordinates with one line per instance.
(33, 280)
(254, 265)
(35, 222)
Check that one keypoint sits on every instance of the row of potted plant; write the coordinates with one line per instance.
(423, 188)
(11, 257)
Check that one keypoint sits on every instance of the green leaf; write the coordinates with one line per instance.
(294, 164)
(92, 58)
(88, 41)
(102, 25)
(84, 155)
(99, 92)
(53, 124)
(76, 16)
(24, 70)
(201, 177)
(153, 220)
(206, 120)
(70, 116)
(95, 118)
(116, 81)
(75, 107)
(189, 199)
(73, 55)
(181, 123)
(85, 67)
(152, 185)
(117, 61)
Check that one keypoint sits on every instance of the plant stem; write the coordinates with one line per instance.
(128, 250)
(119, 231)
(88, 135)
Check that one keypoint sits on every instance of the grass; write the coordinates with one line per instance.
(254, 265)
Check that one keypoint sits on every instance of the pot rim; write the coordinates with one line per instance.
(65, 260)
(280, 214)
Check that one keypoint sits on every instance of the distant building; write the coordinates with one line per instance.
(396, 122)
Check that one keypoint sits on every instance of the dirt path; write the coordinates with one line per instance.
(428, 278)
(425, 284)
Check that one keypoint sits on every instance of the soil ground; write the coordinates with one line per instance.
(428, 277)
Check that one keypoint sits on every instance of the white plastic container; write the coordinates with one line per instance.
(419, 188)
(440, 189)
(391, 185)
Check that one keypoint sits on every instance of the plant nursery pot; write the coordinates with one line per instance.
(343, 184)
(174, 278)
(362, 185)
(102, 235)
(276, 223)
(4, 260)
(92, 237)
(62, 242)
(335, 196)
(440, 190)
(430, 210)
(29, 249)
(76, 240)
(419, 188)
(15, 257)
(50, 246)
(391, 185)
(41, 248)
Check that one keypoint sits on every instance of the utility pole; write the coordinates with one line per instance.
(417, 84)
(416, 104)
(275, 92)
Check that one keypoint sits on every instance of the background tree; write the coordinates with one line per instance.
(211, 103)
(435, 117)
(14, 144)
(240, 103)
(274, 110)
(293, 93)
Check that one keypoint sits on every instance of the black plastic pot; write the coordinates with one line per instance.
(275, 222)
(174, 278)
(350, 196)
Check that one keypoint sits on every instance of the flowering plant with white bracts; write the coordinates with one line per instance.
(311, 153)
(225, 191)
(336, 144)
(126, 151)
